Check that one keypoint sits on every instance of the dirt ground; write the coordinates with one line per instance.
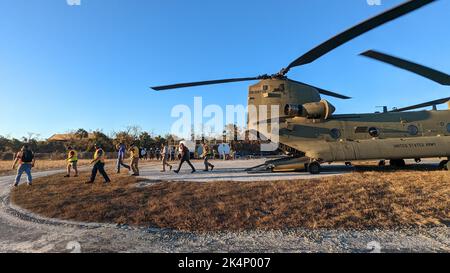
(363, 199)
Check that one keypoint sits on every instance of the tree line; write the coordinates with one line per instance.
(82, 141)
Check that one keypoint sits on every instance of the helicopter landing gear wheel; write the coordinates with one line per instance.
(313, 167)
(398, 163)
(444, 165)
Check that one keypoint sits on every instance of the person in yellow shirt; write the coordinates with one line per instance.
(99, 165)
(72, 160)
(134, 152)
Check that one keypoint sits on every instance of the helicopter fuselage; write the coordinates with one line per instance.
(349, 137)
(403, 135)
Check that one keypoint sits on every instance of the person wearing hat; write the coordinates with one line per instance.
(134, 152)
(99, 165)
(72, 160)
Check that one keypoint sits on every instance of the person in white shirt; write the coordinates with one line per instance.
(165, 157)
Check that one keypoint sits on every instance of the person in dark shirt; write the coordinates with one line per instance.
(121, 150)
(184, 157)
(26, 160)
(172, 154)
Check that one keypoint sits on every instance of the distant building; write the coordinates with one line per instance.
(67, 137)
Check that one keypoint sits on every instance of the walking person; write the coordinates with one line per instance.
(151, 154)
(121, 150)
(26, 160)
(165, 157)
(99, 165)
(72, 161)
(184, 157)
(134, 151)
(172, 154)
(206, 154)
(143, 153)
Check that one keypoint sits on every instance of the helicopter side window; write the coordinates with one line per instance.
(335, 133)
(413, 130)
(448, 127)
(361, 129)
(374, 132)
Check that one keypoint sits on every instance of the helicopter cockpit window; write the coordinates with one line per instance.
(413, 130)
(335, 133)
(374, 132)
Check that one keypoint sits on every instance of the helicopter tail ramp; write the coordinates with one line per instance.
(281, 165)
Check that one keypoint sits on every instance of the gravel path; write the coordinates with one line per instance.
(21, 231)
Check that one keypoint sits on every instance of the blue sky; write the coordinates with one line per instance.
(90, 66)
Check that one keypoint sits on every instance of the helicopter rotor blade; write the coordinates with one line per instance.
(324, 92)
(356, 31)
(424, 71)
(422, 105)
(190, 84)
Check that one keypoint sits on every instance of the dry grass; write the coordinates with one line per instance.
(43, 165)
(361, 200)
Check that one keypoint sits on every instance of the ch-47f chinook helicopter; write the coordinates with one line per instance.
(311, 134)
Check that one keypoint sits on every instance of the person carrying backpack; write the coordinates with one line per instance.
(25, 158)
